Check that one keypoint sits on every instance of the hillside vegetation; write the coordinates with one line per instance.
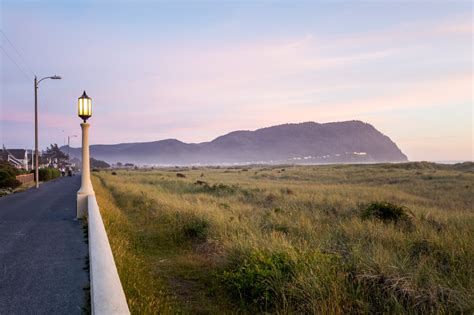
(293, 239)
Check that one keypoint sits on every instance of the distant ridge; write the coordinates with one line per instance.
(302, 143)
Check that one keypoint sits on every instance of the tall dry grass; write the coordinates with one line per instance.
(292, 239)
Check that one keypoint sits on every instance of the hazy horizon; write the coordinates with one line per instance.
(194, 71)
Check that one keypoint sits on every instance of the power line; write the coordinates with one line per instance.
(15, 63)
(18, 53)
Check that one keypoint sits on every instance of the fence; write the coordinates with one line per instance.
(26, 178)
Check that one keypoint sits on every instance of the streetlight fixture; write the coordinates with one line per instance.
(37, 82)
(84, 107)
(84, 111)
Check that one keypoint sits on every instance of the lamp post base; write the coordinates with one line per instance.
(82, 205)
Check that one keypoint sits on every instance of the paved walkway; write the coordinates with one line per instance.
(42, 251)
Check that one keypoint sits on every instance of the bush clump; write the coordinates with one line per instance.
(180, 175)
(387, 212)
(252, 280)
(196, 228)
(8, 176)
(216, 189)
(49, 173)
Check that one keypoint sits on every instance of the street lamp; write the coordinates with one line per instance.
(37, 82)
(84, 107)
(84, 110)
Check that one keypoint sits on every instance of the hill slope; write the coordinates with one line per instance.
(309, 142)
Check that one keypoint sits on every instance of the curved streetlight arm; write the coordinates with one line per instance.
(54, 77)
(69, 139)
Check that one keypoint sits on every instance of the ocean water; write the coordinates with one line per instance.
(451, 162)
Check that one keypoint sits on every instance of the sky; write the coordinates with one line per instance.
(195, 70)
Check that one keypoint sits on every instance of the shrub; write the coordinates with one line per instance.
(387, 212)
(46, 174)
(21, 172)
(114, 173)
(196, 228)
(216, 189)
(8, 168)
(180, 175)
(8, 181)
(251, 280)
(8, 176)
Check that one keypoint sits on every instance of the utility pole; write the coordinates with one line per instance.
(36, 135)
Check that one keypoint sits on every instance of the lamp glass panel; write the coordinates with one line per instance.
(84, 107)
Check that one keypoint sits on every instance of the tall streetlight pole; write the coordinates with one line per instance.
(37, 82)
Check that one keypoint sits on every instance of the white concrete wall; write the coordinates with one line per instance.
(107, 296)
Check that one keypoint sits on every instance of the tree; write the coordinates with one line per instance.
(53, 154)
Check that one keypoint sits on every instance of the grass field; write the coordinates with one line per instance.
(293, 239)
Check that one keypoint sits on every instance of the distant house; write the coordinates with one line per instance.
(16, 157)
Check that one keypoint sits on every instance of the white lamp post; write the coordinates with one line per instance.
(84, 109)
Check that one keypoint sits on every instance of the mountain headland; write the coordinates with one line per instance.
(299, 143)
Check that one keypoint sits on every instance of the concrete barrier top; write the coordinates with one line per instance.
(107, 295)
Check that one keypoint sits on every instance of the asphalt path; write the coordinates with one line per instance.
(43, 251)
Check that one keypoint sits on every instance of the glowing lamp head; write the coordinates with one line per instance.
(84, 106)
